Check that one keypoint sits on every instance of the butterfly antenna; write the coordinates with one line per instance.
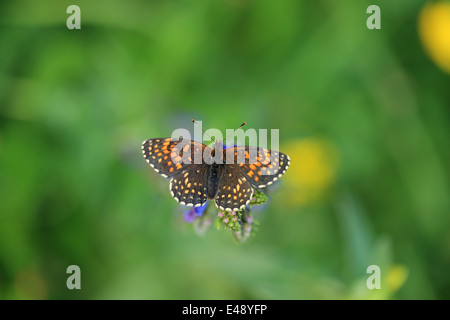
(243, 124)
(202, 129)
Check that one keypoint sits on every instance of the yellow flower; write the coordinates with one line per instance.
(434, 32)
(312, 171)
(396, 277)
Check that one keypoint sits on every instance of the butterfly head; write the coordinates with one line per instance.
(218, 146)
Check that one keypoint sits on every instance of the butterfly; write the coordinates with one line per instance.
(199, 173)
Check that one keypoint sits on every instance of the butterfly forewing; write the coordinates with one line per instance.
(261, 166)
(169, 156)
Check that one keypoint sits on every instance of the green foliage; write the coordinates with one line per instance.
(230, 219)
(258, 198)
(75, 106)
(241, 222)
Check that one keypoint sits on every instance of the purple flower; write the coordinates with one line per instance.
(225, 147)
(194, 213)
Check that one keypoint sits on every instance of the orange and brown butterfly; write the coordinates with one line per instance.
(228, 178)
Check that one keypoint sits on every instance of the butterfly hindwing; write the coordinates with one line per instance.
(189, 187)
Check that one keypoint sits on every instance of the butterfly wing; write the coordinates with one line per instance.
(169, 157)
(260, 166)
(189, 187)
(234, 191)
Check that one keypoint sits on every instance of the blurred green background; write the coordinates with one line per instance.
(364, 115)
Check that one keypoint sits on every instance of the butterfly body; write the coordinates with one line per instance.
(214, 172)
(226, 176)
